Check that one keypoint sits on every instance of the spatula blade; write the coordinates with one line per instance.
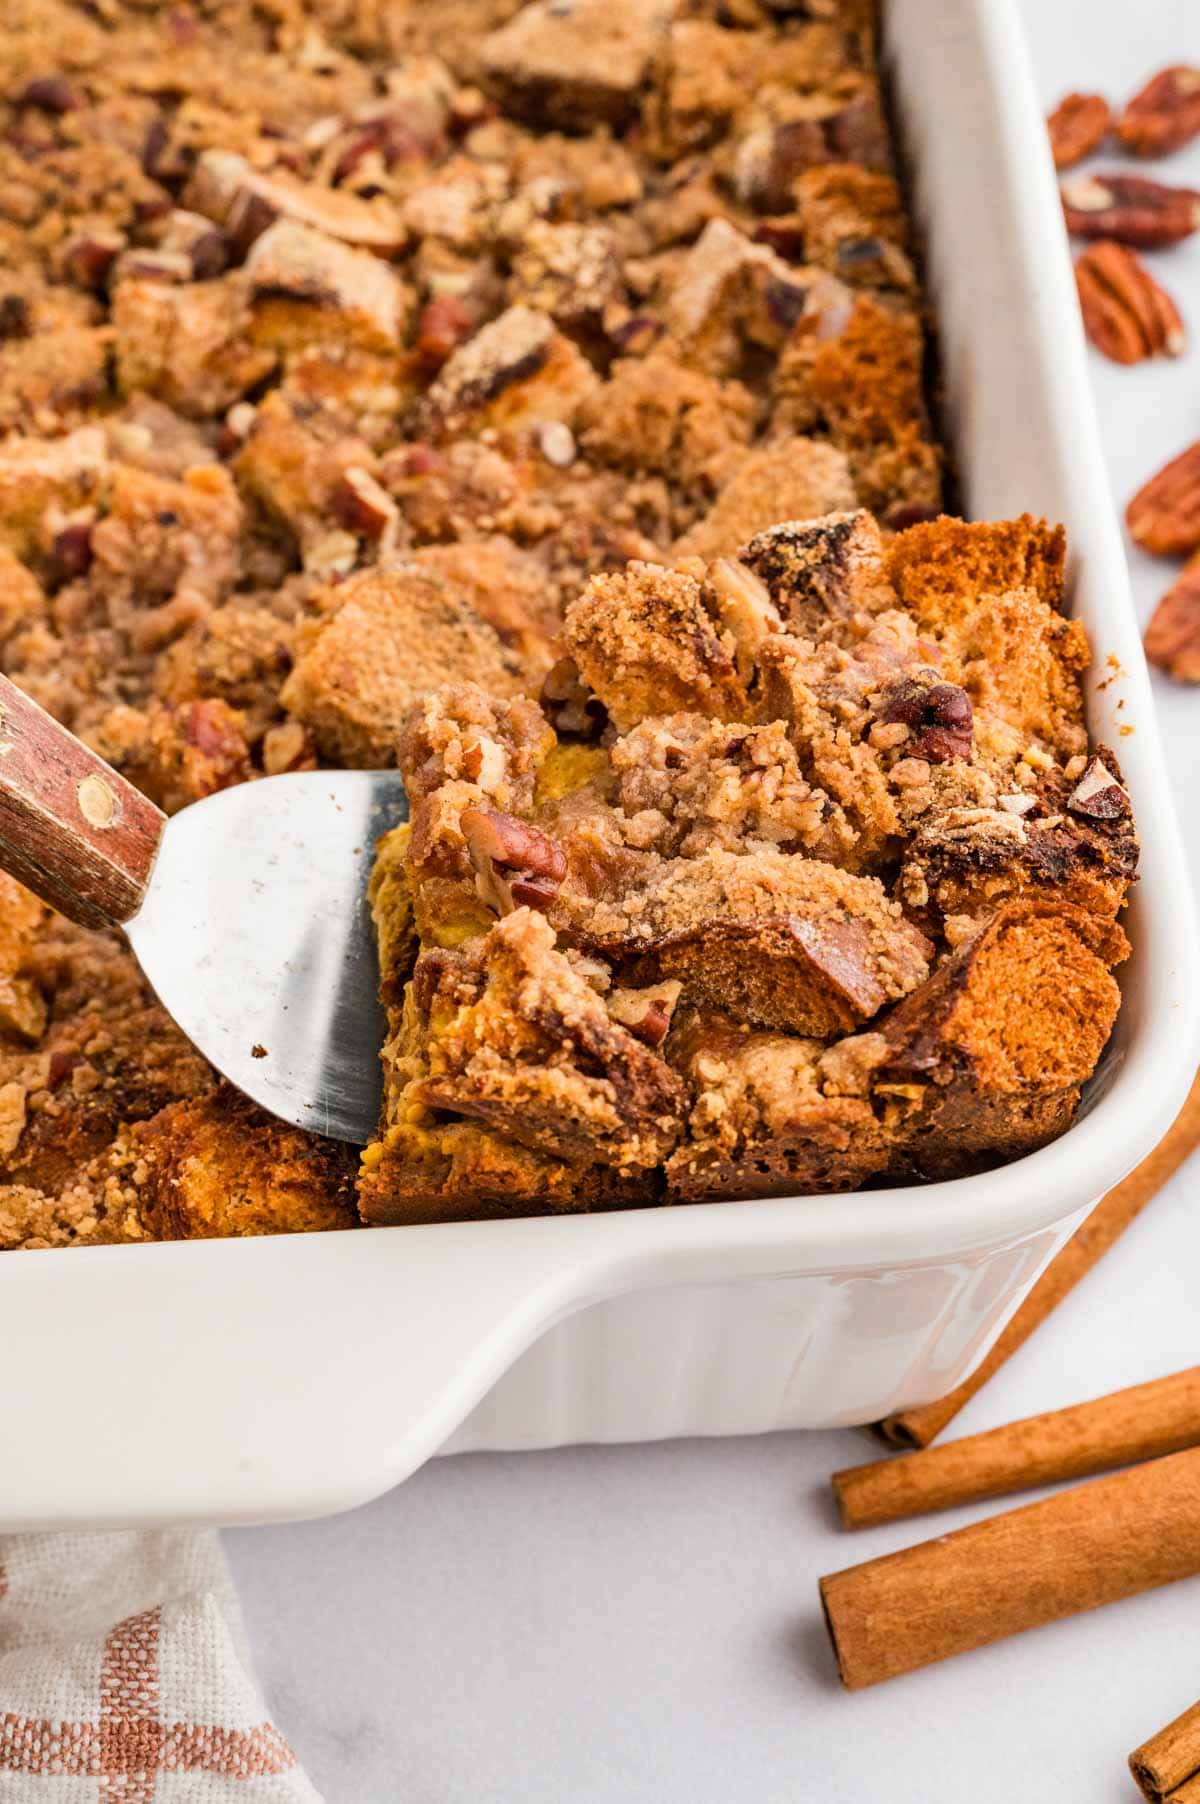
(256, 936)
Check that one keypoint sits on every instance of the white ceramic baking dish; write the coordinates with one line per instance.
(247, 1380)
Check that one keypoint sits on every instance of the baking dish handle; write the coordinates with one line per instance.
(341, 1362)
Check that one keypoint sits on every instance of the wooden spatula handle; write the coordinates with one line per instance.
(71, 829)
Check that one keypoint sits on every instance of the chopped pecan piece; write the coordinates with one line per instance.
(516, 865)
(1173, 635)
(1078, 126)
(1164, 115)
(938, 715)
(646, 1013)
(72, 546)
(364, 506)
(1126, 313)
(193, 236)
(443, 325)
(89, 258)
(1131, 209)
(1099, 793)
(243, 202)
(1164, 515)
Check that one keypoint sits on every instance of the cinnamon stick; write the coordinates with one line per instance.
(1071, 1552)
(1105, 1225)
(1164, 1765)
(1144, 1422)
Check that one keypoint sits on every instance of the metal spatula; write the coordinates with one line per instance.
(247, 911)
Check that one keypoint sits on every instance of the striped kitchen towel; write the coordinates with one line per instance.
(125, 1677)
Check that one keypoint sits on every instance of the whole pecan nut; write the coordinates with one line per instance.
(1173, 635)
(516, 865)
(1078, 126)
(1126, 313)
(1164, 515)
(1164, 115)
(1131, 209)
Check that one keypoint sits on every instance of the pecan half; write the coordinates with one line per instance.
(1164, 515)
(1099, 794)
(1164, 115)
(1078, 126)
(939, 717)
(646, 1014)
(363, 506)
(1126, 314)
(516, 865)
(1173, 635)
(1130, 209)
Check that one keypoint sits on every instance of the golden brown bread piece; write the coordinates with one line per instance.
(395, 631)
(646, 642)
(765, 1120)
(941, 567)
(221, 1166)
(518, 1038)
(984, 1061)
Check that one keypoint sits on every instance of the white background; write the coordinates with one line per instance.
(642, 1624)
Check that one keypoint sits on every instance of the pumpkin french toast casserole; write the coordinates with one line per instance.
(532, 397)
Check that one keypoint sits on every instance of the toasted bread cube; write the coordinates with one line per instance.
(1022, 662)
(761, 1123)
(245, 203)
(867, 383)
(731, 291)
(516, 371)
(793, 480)
(985, 1060)
(221, 1166)
(645, 643)
(53, 379)
(569, 271)
(399, 630)
(519, 1039)
(775, 939)
(188, 345)
(306, 286)
(656, 414)
(711, 73)
(941, 567)
(507, 589)
(852, 223)
(582, 64)
(39, 474)
(966, 862)
(160, 536)
(821, 573)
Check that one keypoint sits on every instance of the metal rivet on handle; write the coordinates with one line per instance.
(97, 803)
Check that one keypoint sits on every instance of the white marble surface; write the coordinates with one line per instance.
(641, 1624)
